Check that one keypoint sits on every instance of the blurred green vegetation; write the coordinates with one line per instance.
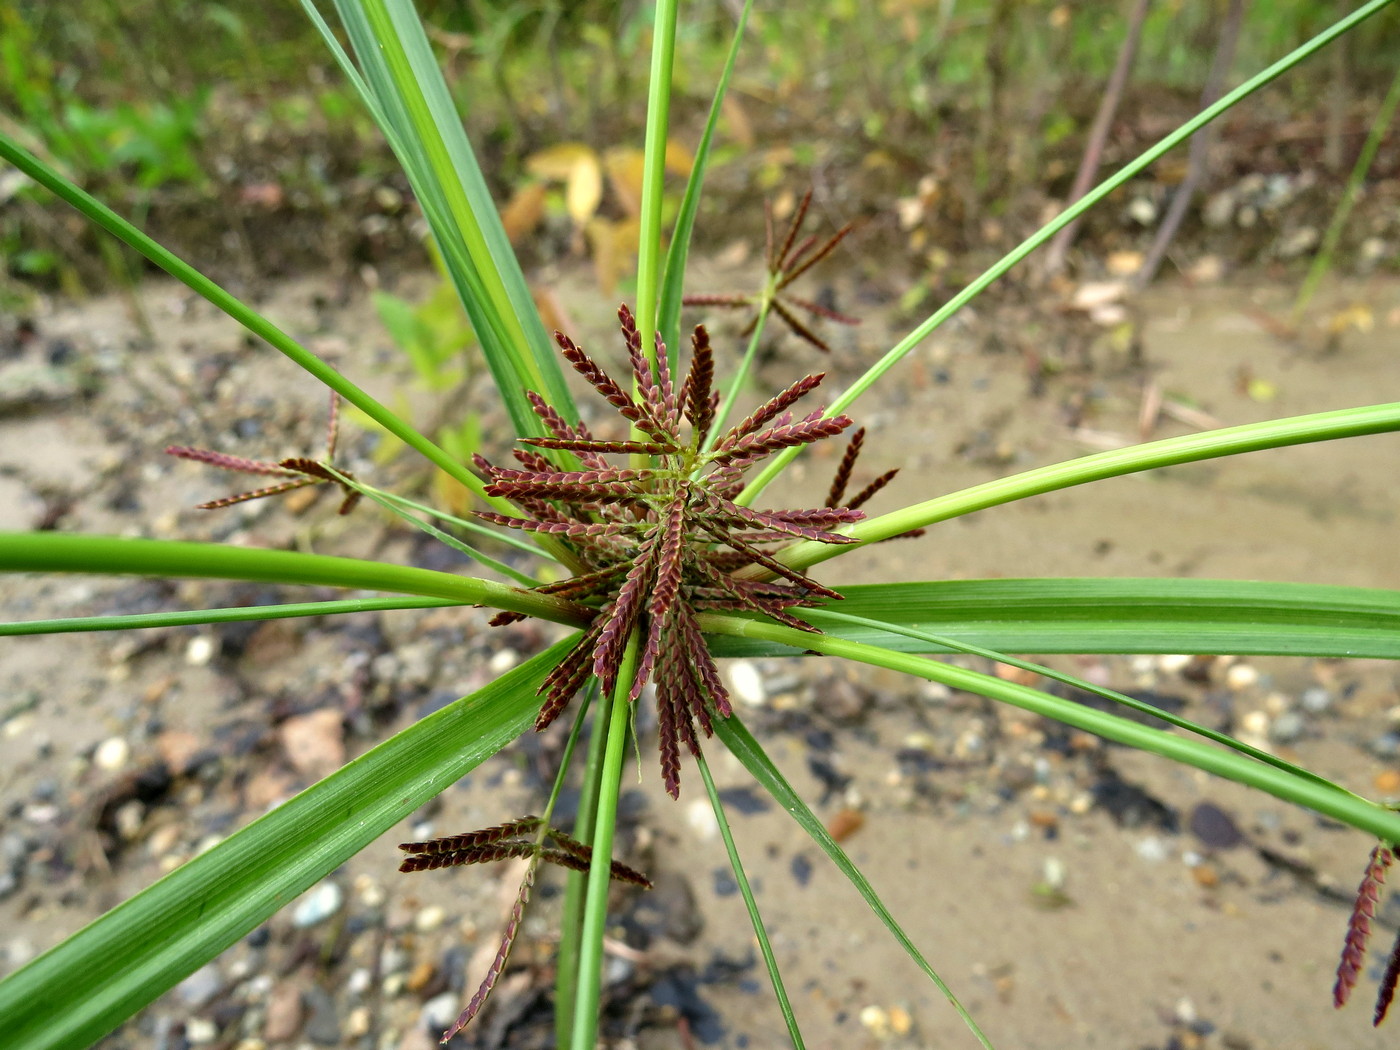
(198, 117)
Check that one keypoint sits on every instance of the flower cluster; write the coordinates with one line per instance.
(665, 538)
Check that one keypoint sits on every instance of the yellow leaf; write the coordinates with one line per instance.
(1357, 315)
(625, 166)
(524, 210)
(584, 191)
(557, 162)
(738, 121)
(614, 247)
(678, 159)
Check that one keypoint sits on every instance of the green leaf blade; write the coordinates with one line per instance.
(1123, 616)
(91, 982)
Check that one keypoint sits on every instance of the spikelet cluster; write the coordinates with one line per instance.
(662, 542)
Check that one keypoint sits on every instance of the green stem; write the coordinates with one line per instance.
(663, 49)
(760, 934)
(1069, 215)
(673, 280)
(1230, 441)
(595, 915)
(741, 376)
(106, 555)
(1330, 801)
(196, 617)
(576, 885)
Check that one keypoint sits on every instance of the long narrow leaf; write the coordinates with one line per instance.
(1124, 616)
(943, 642)
(85, 987)
(760, 933)
(416, 111)
(668, 314)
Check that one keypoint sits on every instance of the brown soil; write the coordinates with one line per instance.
(1060, 921)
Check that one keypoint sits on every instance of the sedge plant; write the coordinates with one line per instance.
(664, 557)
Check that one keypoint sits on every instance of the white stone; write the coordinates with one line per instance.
(111, 754)
(200, 650)
(317, 904)
(746, 683)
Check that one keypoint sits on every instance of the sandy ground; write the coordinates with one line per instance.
(1061, 914)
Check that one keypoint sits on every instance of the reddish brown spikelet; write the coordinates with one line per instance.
(484, 837)
(770, 410)
(776, 438)
(457, 858)
(499, 843)
(227, 462)
(845, 468)
(699, 398)
(1359, 926)
(493, 973)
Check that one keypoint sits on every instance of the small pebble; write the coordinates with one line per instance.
(746, 683)
(419, 977)
(1241, 676)
(1205, 875)
(322, 1022)
(201, 986)
(200, 1030)
(358, 982)
(429, 919)
(369, 892)
(1387, 745)
(1316, 700)
(1214, 827)
(1388, 782)
(876, 1020)
(901, 1023)
(200, 650)
(358, 1022)
(284, 1013)
(502, 661)
(111, 754)
(393, 959)
(1287, 728)
(317, 905)
(439, 1012)
(1152, 849)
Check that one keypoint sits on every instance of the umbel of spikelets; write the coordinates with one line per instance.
(662, 542)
